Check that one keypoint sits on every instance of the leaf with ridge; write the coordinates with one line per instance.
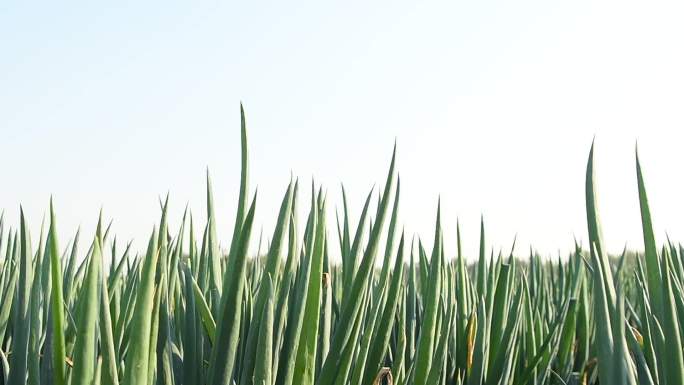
(224, 351)
(85, 348)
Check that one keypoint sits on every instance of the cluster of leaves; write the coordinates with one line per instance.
(184, 313)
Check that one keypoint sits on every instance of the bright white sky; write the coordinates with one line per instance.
(493, 106)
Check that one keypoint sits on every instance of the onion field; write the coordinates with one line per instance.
(394, 309)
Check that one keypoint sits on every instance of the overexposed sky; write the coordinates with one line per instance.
(493, 105)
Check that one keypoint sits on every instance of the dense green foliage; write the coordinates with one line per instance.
(392, 311)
